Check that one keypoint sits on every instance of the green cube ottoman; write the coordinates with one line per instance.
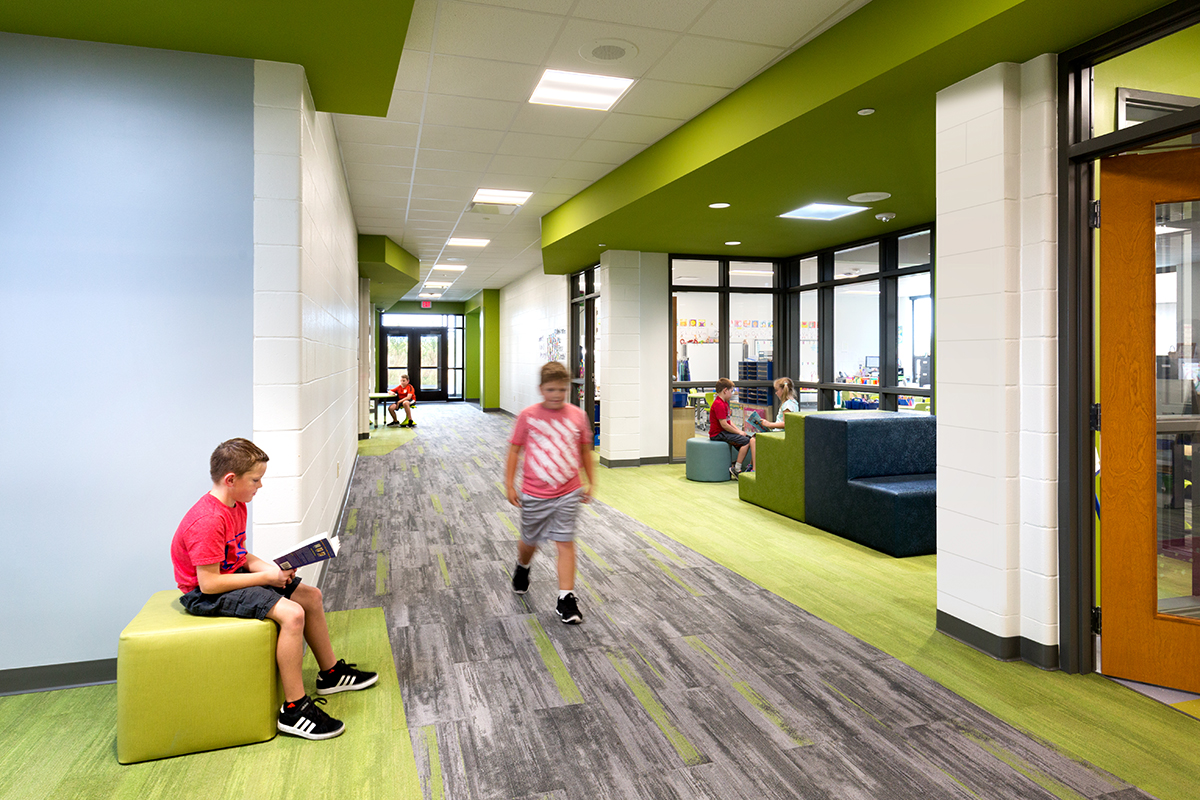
(187, 684)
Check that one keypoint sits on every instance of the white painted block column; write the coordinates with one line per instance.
(996, 370)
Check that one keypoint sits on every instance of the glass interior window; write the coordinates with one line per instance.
(751, 330)
(397, 359)
(1177, 371)
(694, 272)
(856, 261)
(856, 333)
(808, 340)
(1143, 70)
(697, 336)
(808, 270)
(855, 401)
(913, 405)
(752, 274)
(914, 330)
(914, 250)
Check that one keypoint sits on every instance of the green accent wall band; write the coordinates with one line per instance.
(392, 269)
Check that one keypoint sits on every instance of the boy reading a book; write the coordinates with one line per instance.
(218, 577)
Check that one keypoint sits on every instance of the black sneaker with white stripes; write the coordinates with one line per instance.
(304, 718)
(568, 610)
(343, 677)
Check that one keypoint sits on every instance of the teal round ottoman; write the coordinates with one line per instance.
(708, 460)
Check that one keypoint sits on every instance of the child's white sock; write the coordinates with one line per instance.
(564, 592)
(523, 566)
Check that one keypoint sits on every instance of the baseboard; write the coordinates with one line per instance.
(632, 462)
(1002, 648)
(58, 676)
(362, 436)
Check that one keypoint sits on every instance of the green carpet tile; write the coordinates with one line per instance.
(63, 744)
(686, 680)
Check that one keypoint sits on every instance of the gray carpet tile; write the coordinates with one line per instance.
(685, 680)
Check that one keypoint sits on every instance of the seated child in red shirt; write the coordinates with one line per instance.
(407, 396)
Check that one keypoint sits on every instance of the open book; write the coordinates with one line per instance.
(310, 551)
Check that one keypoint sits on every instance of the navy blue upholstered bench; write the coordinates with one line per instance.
(870, 476)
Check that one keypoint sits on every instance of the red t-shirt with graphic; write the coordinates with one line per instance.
(211, 533)
(718, 412)
(404, 392)
(553, 440)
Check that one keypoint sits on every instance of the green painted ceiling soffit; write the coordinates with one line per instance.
(392, 269)
(350, 50)
(792, 135)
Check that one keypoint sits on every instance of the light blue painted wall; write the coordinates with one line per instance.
(126, 323)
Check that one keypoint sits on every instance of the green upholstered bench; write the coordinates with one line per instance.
(187, 684)
(777, 483)
(709, 460)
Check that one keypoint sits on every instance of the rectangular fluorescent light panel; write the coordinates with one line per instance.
(451, 267)
(503, 197)
(579, 90)
(457, 242)
(430, 294)
(437, 284)
(823, 211)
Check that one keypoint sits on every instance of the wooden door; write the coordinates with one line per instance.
(1150, 403)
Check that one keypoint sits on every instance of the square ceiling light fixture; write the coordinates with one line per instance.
(823, 211)
(505, 197)
(460, 242)
(579, 90)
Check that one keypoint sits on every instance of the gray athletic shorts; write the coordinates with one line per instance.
(253, 602)
(549, 518)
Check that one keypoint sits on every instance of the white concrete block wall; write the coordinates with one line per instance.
(996, 373)
(306, 319)
(619, 348)
(531, 307)
(655, 346)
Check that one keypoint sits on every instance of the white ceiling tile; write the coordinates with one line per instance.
(377, 172)
(472, 140)
(604, 152)
(519, 183)
(373, 130)
(583, 34)
(557, 121)
(536, 144)
(680, 101)
(771, 22)
(405, 106)
(376, 189)
(445, 177)
(712, 62)
(631, 128)
(477, 77)
(377, 154)
(413, 72)
(428, 204)
(667, 15)
(469, 112)
(503, 34)
(428, 158)
(416, 215)
(583, 170)
(420, 26)
(524, 165)
(546, 6)
(443, 192)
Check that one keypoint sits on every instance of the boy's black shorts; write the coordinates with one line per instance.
(253, 602)
(735, 439)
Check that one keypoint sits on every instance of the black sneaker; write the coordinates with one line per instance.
(343, 677)
(734, 470)
(395, 425)
(521, 579)
(303, 718)
(568, 610)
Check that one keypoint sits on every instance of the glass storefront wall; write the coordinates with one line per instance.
(697, 336)
(856, 333)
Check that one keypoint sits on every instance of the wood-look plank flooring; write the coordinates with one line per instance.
(684, 681)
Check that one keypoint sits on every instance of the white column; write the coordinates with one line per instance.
(996, 371)
(619, 352)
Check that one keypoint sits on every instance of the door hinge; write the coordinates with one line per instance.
(1095, 215)
(1094, 417)
(1096, 620)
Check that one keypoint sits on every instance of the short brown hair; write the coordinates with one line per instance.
(238, 456)
(553, 372)
(723, 384)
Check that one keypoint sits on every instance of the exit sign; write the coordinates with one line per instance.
(426, 304)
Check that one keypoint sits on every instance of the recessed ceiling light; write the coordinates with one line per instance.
(458, 242)
(602, 245)
(718, 205)
(437, 284)
(886, 216)
(451, 267)
(430, 294)
(866, 112)
(868, 197)
(822, 211)
(454, 259)
(732, 243)
(506, 197)
(579, 90)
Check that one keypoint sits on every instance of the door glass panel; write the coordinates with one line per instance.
(808, 340)
(397, 358)
(1177, 372)
(697, 330)
(751, 332)
(430, 362)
